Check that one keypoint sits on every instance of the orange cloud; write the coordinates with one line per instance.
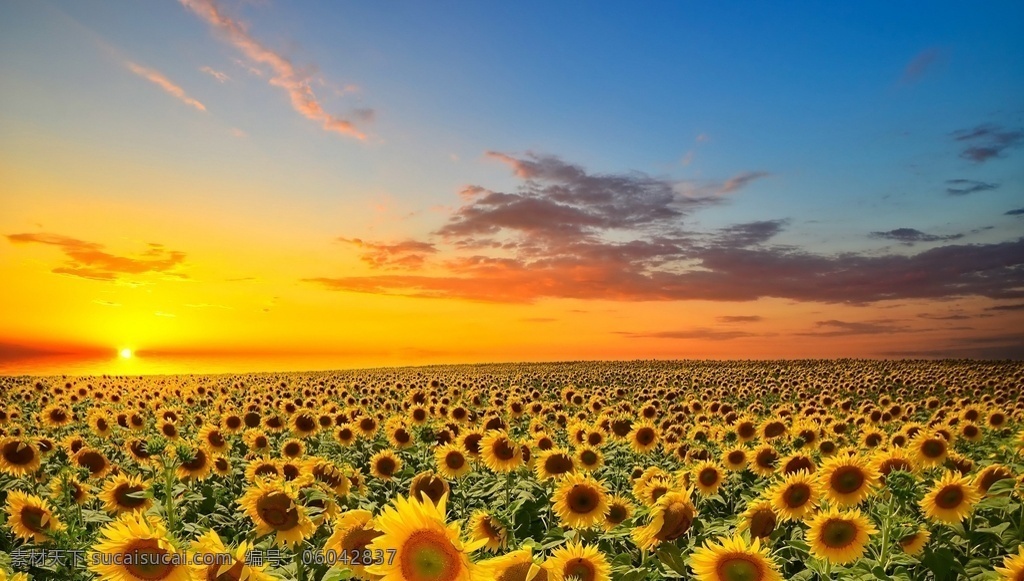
(157, 78)
(409, 254)
(285, 74)
(89, 260)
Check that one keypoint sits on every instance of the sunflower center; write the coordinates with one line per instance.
(838, 533)
(847, 479)
(402, 436)
(949, 497)
(266, 470)
(774, 429)
(558, 464)
(292, 449)
(644, 436)
(933, 448)
(737, 457)
(767, 458)
(18, 452)
(386, 466)
(432, 486)
(894, 464)
(676, 520)
(428, 555)
(518, 572)
(473, 443)
(32, 518)
(121, 494)
(198, 462)
(797, 495)
(358, 539)
(762, 523)
(909, 539)
(504, 450)
(94, 462)
(799, 463)
(738, 568)
(616, 514)
(145, 559)
(582, 499)
(215, 439)
(581, 569)
(454, 460)
(746, 430)
(305, 423)
(278, 511)
(708, 477)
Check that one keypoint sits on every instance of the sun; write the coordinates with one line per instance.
(126, 353)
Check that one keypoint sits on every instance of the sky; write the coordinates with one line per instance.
(235, 185)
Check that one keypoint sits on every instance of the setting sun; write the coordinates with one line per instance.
(126, 353)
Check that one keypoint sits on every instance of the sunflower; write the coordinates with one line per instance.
(212, 438)
(1013, 567)
(759, 518)
(577, 562)
(643, 438)
(208, 560)
(273, 506)
(735, 459)
(196, 468)
(262, 468)
(840, 537)
(619, 511)
(328, 473)
(221, 465)
(483, 526)
(430, 485)
(554, 463)
(30, 517)
(888, 461)
(914, 543)
(951, 499)
(353, 532)
(18, 456)
(669, 519)
(136, 547)
(80, 492)
(929, 449)
(734, 560)
(424, 546)
(451, 461)
(470, 442)
(515, 566)
(795, 497)
(500, 453)
(990, 475)
(257, 441)
(847, 480)
(124, 493)
(580, 501)
(707, 477)
(589, 458)
(94, 461)
(344, 435)
(137, 449)
(56, 416)
(385, 464)
(766, 460)
(656, 487)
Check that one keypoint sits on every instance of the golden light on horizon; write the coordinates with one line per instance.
(126, 353)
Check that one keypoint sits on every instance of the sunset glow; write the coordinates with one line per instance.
(279, 186)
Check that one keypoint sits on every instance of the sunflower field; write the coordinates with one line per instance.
(583, 471)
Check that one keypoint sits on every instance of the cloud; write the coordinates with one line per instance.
(740, 319)
(284, 74)
(834, 328)
(1016, 307)
(1017, 212)
(408, 254)
(220, 76)
(157, 78)
(922, 62)
(740, 181)
(962, 187)
(949, 317)
(568, 233)
(985, 142)
(998, 346)
(910, 236)
(701, 333)
(90, 260)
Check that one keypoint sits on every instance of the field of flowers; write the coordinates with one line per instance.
(724, 471)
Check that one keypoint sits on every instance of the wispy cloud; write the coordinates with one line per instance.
(922, 63)
(1017, 212)
(910, 236)
(158, 79)
(988, 141)
(740, 319)
(962, 187)
(219, 75)
(702, 333)
(90, 260)
(408, 254)
(284, 74)
(834, 328)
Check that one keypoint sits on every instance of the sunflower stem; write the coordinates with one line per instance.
(300, 564)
